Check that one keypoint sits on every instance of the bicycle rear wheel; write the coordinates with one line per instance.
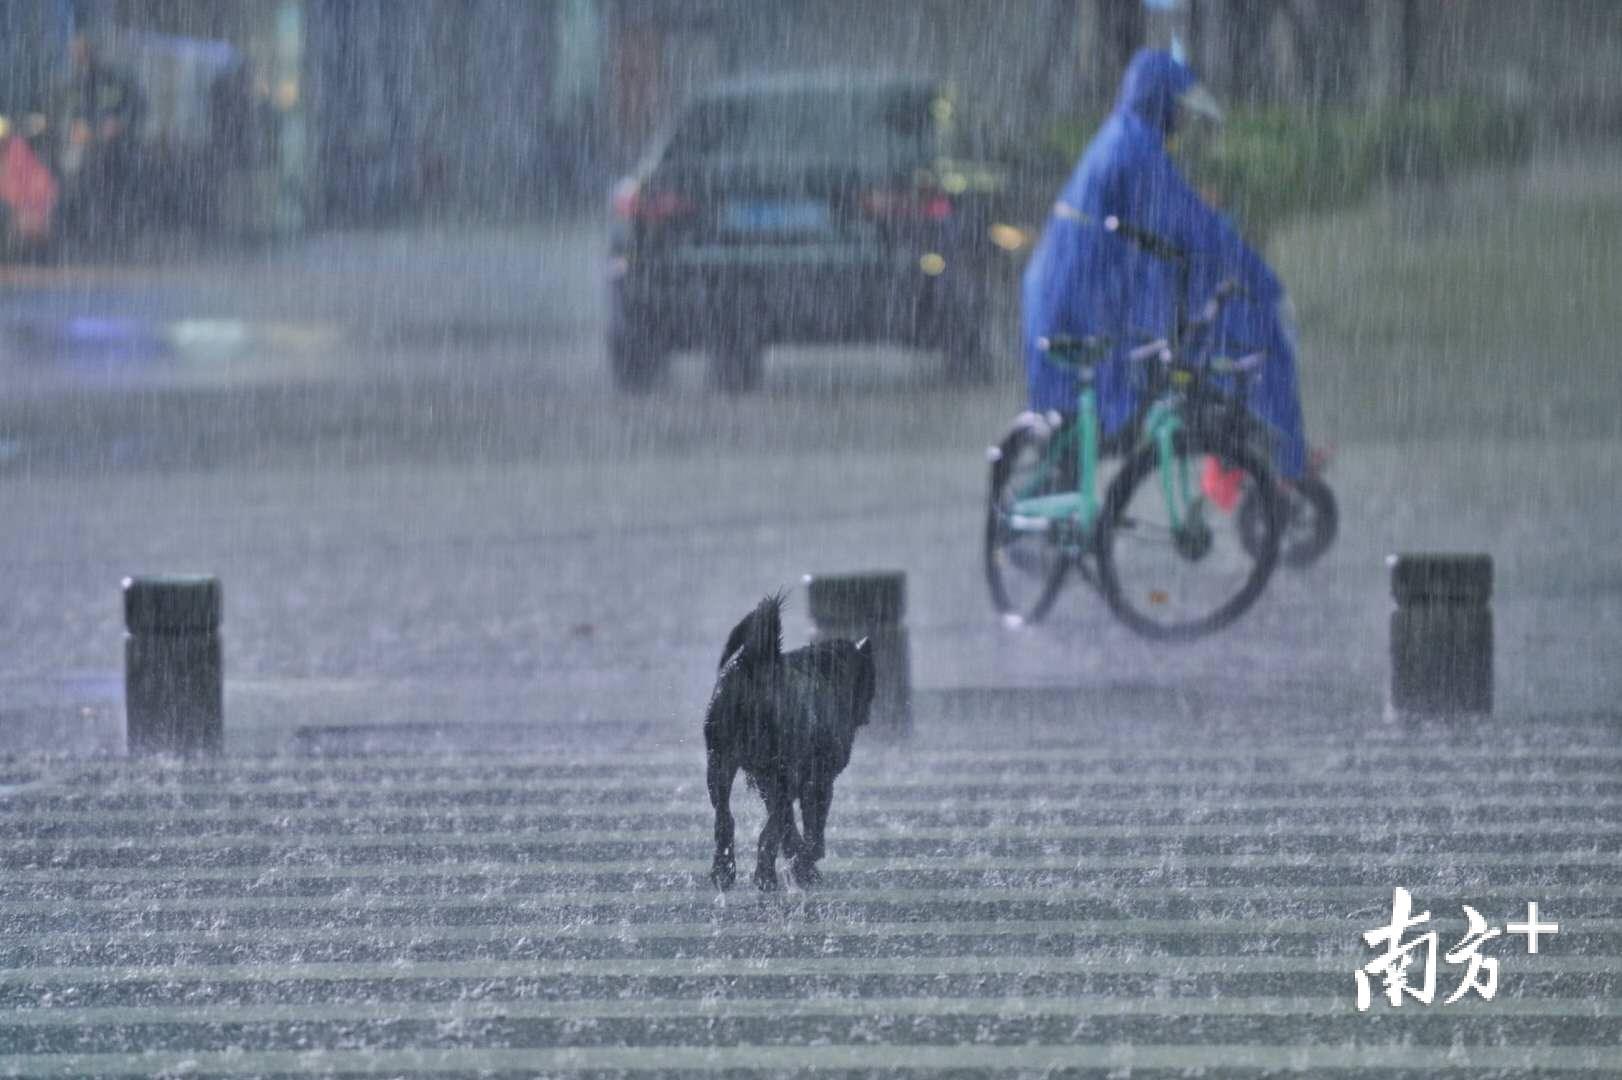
(1024, 569)
(1311, 519)
(1175, 561)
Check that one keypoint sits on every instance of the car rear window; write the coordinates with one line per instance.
(879, 127)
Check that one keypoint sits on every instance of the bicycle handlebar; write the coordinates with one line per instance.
(1187, 333)
(1227, 289)
(1161, 351)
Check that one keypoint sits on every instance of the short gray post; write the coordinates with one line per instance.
(1441, 635)
(174, 699)
(872, 606)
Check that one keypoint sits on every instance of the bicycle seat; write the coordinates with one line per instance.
(1076, 351)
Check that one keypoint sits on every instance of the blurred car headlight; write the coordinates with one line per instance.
(1009, 237)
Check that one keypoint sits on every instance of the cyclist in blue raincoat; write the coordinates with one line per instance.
(1085, 280)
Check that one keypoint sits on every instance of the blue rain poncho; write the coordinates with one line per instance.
(1084, 280)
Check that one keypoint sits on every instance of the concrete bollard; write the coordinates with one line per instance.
(174, 695)
(870, 605)
(1441, 635)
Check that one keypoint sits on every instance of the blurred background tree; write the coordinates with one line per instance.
(514, 107)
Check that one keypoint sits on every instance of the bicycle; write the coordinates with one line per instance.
(1165, 541)
(1310, 511)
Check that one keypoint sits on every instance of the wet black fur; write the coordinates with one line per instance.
(788, 720)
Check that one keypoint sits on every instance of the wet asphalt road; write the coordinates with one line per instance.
(492, 592)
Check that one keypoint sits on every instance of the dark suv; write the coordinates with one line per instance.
(815, 209)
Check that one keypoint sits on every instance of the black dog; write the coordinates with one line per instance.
(788, 720)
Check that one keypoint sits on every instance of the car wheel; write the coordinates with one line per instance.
(737, 367)
(967, 363)
(636, 361)
(974, 349)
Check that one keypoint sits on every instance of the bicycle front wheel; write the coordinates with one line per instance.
(1176, 560)
(1024, 568)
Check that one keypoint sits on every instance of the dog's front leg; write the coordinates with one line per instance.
(723, 871)
(814, 803)
(779, 818)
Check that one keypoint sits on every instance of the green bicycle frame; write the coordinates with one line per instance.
(1081, 507)
(1036, 513)
(1163, 423)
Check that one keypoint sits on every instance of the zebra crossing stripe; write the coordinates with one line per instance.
(1130, 961)
(639, 870)
(826, 894)
(489, 800)
(678, 746)
(1601, 758)
(1401, 1055)
(696, 813)
(858, 783)
(448, 1011)
(1549, 838)
(697, 930)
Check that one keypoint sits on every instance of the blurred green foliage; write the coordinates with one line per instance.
(1266, 165)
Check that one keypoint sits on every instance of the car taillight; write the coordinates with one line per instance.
(632, 203)
(913, 205)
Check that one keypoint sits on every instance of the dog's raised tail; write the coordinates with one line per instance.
(760, 635)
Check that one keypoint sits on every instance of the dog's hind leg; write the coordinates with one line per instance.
(814, 802)
(723, 871)
(792, 843)
(779, 820)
